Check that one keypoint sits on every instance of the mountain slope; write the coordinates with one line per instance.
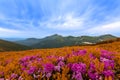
(28, 42)
(10, 46)
(60, 41)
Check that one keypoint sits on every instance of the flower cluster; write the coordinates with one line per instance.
(78, 70)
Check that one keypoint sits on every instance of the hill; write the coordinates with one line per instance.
(10, 46)
(56, 40)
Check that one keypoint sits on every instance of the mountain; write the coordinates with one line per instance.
(56, 40)
(29, 41)
(10, 46)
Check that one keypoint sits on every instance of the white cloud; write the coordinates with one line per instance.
(66, 22)
(5, 30)
(113, 27)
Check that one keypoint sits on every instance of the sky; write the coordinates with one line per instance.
(39, 18)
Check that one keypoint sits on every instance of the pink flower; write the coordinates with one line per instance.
(80, 52)
(77, 76)
(20, 78)
(92, 73)
(103, 59)
(61, 63)
(13, 76)
(109, 63)
(108, 73)
(48, 75)
(2, 79)
(78, 67)
(57, 68)
(61, 58)
(1, 73)
(106, 54)
(69, 65)
(31, 70)
(48, 67)
(92, 56)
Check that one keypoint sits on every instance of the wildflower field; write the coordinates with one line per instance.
(99, 62)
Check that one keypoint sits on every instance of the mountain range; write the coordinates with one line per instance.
(55, 41)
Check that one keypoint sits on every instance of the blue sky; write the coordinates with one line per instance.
(39, 18)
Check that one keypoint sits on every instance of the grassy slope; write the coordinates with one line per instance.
(10, 46)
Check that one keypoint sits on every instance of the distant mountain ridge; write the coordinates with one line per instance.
(56, 40)
(11, 46)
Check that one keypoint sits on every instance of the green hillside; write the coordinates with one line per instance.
(10, 46)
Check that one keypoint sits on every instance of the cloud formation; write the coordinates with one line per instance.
(112, 27)
(8, 30)
(29, 18)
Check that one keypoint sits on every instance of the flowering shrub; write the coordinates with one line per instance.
(60, 64)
